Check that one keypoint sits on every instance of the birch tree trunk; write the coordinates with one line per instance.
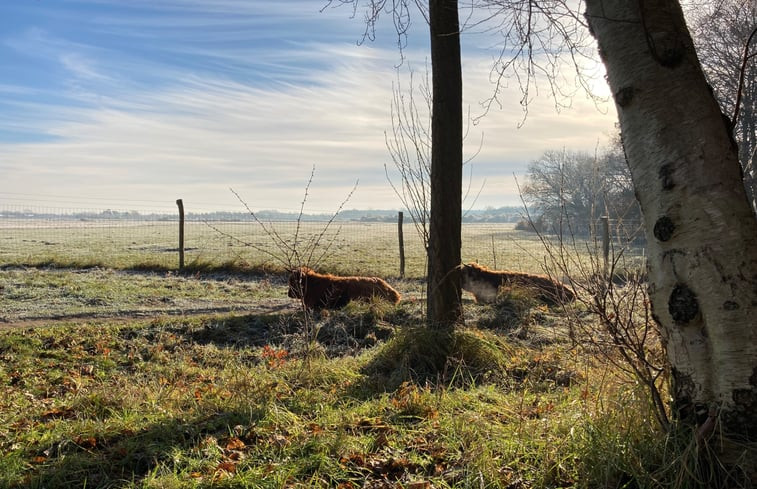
(444, 308)
(702, 232)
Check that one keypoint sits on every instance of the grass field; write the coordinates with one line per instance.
(258, 400)
(123, 373)
(349, 247)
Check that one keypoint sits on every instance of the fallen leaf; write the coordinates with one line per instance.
(235, 443)
(279, 440)
(419, 485)
(230, 467)
(353, 458)
(373, 424)
(64, 413)
(86, 442)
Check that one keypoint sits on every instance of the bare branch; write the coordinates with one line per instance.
(742, 74)
(316, 242)
(537, 37)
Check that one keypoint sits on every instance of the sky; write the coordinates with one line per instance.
(132, 105)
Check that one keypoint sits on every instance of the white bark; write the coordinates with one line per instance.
(702, 233)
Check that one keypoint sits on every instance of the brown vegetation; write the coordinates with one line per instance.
(324, 291)
(484, 284)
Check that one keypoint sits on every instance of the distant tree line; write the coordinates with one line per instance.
(568, 191)
(488, 215)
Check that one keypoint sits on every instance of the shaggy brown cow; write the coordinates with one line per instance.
(322, 291)
(484, 284)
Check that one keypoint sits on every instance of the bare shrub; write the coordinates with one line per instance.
(296, 251)
(612, 314)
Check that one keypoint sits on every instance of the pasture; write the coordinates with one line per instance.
(119, 371)
(343, 247)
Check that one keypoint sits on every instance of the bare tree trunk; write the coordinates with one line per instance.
(444, 304)
(703, 235)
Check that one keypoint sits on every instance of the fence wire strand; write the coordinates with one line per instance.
(125, 239)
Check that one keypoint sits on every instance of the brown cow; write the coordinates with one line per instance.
(484, 284)
(323, 291)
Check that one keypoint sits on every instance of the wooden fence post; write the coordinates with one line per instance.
(180, 203)
(402, 244)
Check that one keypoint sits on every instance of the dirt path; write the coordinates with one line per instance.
(260, 308)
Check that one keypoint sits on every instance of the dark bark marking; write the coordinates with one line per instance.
(666, 175)
(624, 96)
(667, 49)
(744, 397)
(666, 43)
(682, 304)
(740, 420)
(684, 408)
(730, 305)
(663, 228)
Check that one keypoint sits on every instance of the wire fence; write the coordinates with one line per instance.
(127, 239)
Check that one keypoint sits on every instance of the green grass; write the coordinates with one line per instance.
(47, 293)
(247, 401)
(352, 247)
(247, 396)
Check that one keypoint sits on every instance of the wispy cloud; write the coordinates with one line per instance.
(195, 118)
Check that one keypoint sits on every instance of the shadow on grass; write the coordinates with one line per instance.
(228, 331)
(346, 332)
(126, 457)
(228, 268)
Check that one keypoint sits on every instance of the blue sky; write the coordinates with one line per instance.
(109, 103)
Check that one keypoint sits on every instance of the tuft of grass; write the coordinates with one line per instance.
(519, 315)
(426, 355)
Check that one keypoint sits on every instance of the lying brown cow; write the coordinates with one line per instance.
(322, 291)
(484, 284)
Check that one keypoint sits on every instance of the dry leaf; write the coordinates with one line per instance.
(54, 413)
(86, 442)
(230, 467)
(419, 485)
(235, 443)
